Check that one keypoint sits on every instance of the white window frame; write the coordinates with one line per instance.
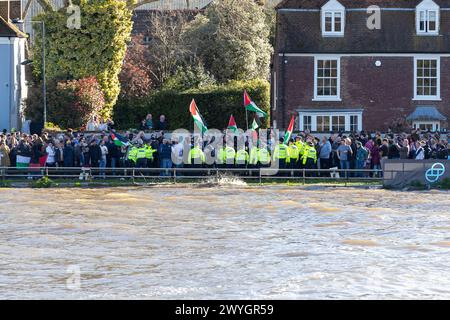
(342, 113)
(436, 97)
(427, 7)
(436, 125)
(333, 7)
(338, 89)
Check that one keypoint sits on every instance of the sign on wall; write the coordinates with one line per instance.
(404, 173)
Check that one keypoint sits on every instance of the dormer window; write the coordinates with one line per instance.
(333, 19)
(427, 18)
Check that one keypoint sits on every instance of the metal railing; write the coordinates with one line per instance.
(179, 174)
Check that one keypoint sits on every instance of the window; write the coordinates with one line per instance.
(427, 16)
(353, 123)
(307, 123)
(338, 123)
(323, 124)
(427, 125)
(327, 80)
(333, 19)
(333, 23)
(330, 120)
(427, 79)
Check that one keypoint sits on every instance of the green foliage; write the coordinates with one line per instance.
(70, 104)
(416, 184)
(44, 182)
(232, 40)
(97, 49)
(444, 184)
(215, 103)
(189, 77)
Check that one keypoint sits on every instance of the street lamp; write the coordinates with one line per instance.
(44, 85)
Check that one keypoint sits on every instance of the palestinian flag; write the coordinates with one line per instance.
(119, 140)
(232, 124)
(254, 125)
(22, 162)
(288, 133)
(251, 106)
(197, 117)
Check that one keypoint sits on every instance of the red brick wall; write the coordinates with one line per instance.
(384, 92)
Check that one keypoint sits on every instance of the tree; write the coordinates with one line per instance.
(71, 104)
(96, 49)
(167, 48)
(232, 39)
(135, 77)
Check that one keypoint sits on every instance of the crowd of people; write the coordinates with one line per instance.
(303, 150)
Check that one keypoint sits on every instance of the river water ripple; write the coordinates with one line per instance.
(224, 243)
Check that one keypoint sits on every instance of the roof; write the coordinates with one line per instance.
(300, 32)
(426, 113)
(8, 29)
(317, 4)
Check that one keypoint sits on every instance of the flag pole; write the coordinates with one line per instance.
(246, 111)
(246, 117)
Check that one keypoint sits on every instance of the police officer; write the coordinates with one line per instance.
(149, 151)
(294, 155)
(253, 157)
(196, 157)
(132, 156)
(263, 156)
(281, 154)
(309, 158)
(242, 158)
(141, 155)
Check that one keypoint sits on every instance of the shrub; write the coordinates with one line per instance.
(96, 49)
(70, 104)
(215, 103)
(44, 182)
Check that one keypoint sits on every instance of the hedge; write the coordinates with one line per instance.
(215, 103)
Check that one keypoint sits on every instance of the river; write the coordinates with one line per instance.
(228, 242)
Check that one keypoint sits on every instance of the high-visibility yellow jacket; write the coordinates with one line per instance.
(132, 154)
(263, 156)
(141, 153)
(281, 151)
(242, 157)
(149, 151)
(294, 153)
(196, 156)
(309, 153)
(301, 147)
(254, 154)
(226, 155)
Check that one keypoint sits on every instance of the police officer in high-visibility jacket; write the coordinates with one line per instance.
(253, 159)
(141, 155)
(132, 156)
(309, 158)
(196, 157)
(301, 149)
(149, 151)
(281, 154)
(294, 155)
(227, 155)
(242, 158)
(263, 156)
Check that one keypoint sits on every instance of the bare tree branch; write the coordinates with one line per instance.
(45, 4)
(134, 4)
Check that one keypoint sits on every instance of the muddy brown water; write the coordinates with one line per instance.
(228, 242)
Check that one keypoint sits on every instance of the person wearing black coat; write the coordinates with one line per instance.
(68, 155)
(95, 153)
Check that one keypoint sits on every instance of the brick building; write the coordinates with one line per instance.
(347, 66)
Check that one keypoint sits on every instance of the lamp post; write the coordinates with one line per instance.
(44, 84)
